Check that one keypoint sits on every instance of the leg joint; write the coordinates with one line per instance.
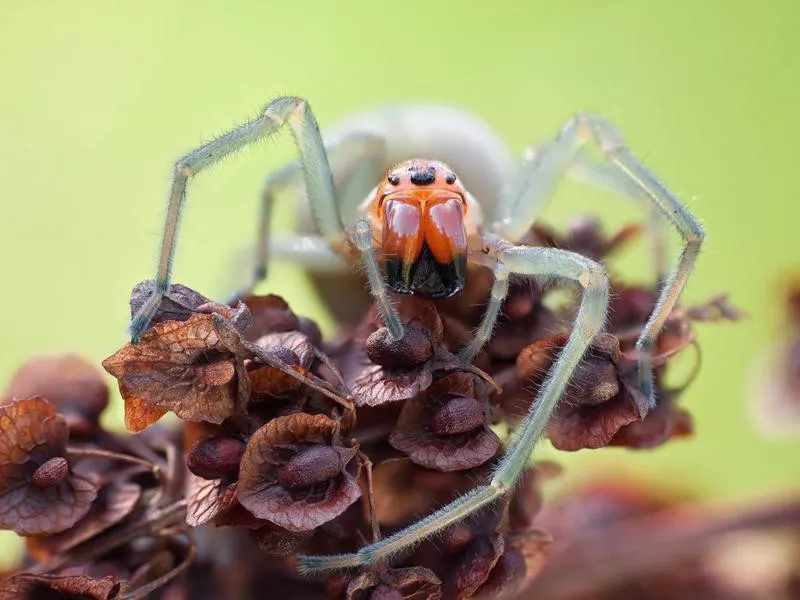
(695, 236)
(594, 278)
(499, 487)
(183, 170)
(645, 343)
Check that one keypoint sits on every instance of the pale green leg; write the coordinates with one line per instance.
(377, 286)
(607, 176)
(530, 262)
(356, 163)
(524, 198)
(316, 172)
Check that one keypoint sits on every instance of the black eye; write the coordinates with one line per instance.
(393, 179)
(451, 178)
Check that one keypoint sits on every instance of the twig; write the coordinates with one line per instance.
(159, 519)
(146, 590)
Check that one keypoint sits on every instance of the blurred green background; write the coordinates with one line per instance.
(99, 98)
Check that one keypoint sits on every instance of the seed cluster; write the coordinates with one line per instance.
(289, 444)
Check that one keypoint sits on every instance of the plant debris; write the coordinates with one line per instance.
(290, 444)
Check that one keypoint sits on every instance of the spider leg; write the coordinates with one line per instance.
(356, 162)
(377, 285)
(530, 262)
(525, 196)
(316, 172)
(608, 177)
(308, 252)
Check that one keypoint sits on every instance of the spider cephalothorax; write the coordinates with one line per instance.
(420, 222)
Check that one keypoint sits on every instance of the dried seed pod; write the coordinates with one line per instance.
(474, 566)
(298, 507)
(594, 381)
(37, 496)
(435, 429)
(594, 415)
(215, 457)
(459, 414)
(413, 583)
(506, 577)
(115, 501)
(182, 366)
(178, 304)
(270, 314)
(311, 465)
(51, 472)
(384, 592)
(412, 349)
(75, 387)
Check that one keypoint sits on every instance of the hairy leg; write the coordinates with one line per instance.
(356, 162)
(530, 262)
(316, 172)
(535, 183)
(377, 286)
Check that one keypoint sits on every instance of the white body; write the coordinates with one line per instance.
(466, 143)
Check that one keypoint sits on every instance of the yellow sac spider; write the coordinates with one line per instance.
(390, 187)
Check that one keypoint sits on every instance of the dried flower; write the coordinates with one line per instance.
(447, 427)
(39, 492)
(180, 366)
(294, 472)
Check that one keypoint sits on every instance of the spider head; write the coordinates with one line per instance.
(420, 208)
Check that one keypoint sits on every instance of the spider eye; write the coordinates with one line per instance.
(393, 179)
(451, 178)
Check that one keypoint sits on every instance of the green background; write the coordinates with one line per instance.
(97, 99)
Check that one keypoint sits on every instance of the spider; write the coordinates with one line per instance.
(419, 229)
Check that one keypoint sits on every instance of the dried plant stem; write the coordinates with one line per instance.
(373, 514)
(238, 345)
(158, 473)
(159, 519)
(146, 590)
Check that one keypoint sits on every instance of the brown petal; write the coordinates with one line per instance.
(664, 422)
(414, 583)
(532, 545)
(475, 565)
(177, 366)
(75, 587)
(377, 385)
(114, 502)
(178, 304)
(586, 426)
(276, 383)
(506, 577)
(270, 314)
(293, 341)
(207, 498)
(276, 541)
